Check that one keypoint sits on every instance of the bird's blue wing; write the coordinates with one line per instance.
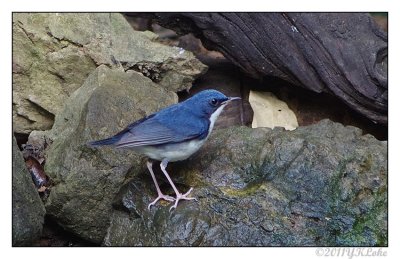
(172, 125)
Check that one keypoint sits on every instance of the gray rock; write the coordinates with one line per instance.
(27, 207)
(53, 53)
(86, 179)
(320, 185)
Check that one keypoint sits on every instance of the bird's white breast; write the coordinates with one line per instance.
(214, 117)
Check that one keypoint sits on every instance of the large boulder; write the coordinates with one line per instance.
(320, 185)
(86, 180)
(53, 53)
(27, 207)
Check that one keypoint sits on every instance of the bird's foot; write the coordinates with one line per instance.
(181, 196)
(161, 196)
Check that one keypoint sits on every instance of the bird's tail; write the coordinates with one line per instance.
(104, 142)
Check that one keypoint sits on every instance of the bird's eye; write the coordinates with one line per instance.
(214, 102)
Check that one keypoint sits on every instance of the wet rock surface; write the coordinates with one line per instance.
(321, 185)
(27, 208)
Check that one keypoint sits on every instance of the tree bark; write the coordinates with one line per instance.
(343, 54)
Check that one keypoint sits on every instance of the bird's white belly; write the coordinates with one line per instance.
(172, 152)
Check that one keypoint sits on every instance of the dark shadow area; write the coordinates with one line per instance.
(56, 236)
(21, 139)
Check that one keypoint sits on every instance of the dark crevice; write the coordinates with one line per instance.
(54, 235)
(21, 139)
(26, 117)
(62, 39)
(54, 73)
(27, 34)
(41, 110)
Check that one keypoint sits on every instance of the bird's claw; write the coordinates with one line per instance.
(161, 196)
(181, 196)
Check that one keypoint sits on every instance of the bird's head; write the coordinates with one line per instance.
(209, 103)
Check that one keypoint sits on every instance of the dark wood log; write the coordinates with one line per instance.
(343, 54)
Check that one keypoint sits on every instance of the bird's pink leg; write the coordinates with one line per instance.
(179, 196)
(160, 194)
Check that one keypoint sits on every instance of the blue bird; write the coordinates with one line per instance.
(172, 134)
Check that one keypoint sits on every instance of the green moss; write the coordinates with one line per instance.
(366, 164)
(366, 230)
(193, 178)
(335, 186)
(249, 190)
(358, 236)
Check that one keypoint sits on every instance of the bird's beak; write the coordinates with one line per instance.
(232, 99)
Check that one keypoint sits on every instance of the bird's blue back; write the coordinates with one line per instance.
(183, 120)
(177, 123)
